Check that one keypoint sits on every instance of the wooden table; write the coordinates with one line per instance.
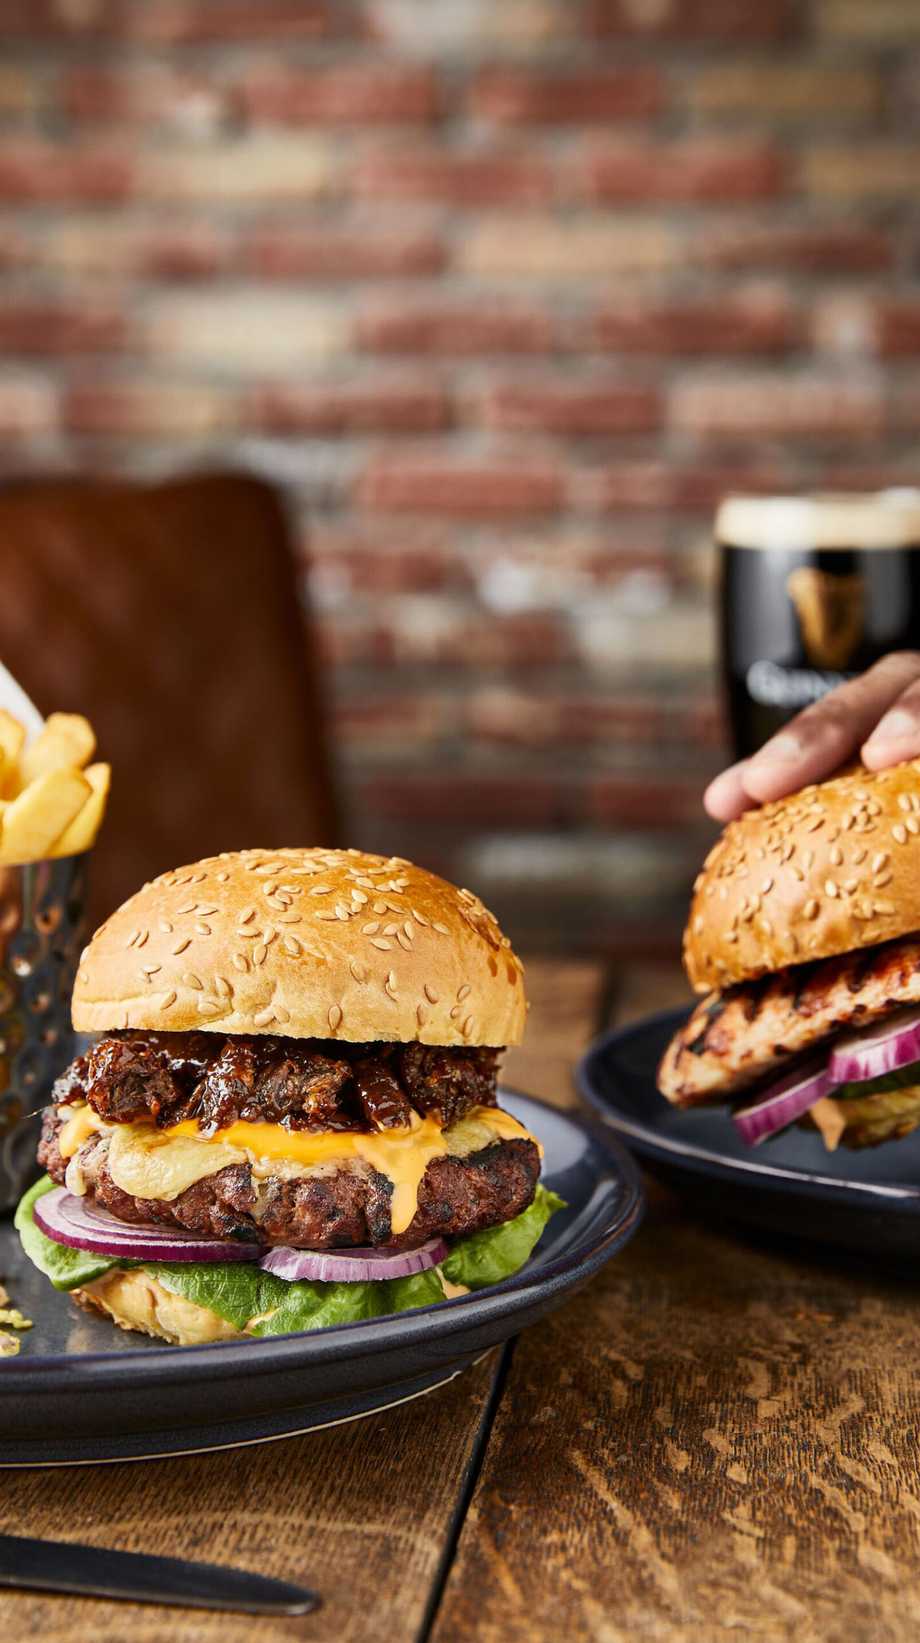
(713, 1440)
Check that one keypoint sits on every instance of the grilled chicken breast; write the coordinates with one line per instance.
(749, 1032)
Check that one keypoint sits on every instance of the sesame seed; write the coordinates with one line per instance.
(384, 946)
(370, 929)
(836, 856)
(320, 890)
(899, 833)
(879, 860)
(421, 1014)
(150, 969)
(241, 962)
(191, 980)
(913, 826)
(419, 917)
(767, 886)
(441, 928)
(358, 971)
(430, 993)
(380, 907)
(165, 926)
(168, 1001)
(463, 992)
(810, 910)
(390, 929)
(903, 801)
(335, 1016)
(181, 946)
(391, 981)
(263, 1017)
(259, 952)
(883, 907)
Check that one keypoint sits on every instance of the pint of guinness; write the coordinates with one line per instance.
(814, 589)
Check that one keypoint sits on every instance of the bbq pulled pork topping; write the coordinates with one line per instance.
(304, 1084)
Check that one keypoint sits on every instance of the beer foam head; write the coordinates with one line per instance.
(832, 519)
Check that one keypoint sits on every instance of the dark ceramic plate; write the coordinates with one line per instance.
(83, 1391)
(867, 1201)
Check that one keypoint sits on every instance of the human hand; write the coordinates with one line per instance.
(876, 715)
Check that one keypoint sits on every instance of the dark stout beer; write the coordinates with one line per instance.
(814, 589)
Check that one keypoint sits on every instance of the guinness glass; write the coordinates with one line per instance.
(814, 589)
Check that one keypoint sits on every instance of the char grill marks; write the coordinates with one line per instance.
(305, 1084)
(746, 1034)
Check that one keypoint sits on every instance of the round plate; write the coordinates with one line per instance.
(83, 1391)
(866, 1200)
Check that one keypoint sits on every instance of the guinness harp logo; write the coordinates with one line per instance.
(830, 610)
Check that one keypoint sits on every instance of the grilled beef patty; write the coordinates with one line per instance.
(749, 1032)
(332, 1207)
(305, 1084)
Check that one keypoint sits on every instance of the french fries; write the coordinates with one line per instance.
(51, 800)
(79, 834)
(65, 743)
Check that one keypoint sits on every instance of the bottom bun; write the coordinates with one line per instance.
(137, 1300)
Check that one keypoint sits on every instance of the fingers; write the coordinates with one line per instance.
(897, 735)
(817, 741)
(726, 797)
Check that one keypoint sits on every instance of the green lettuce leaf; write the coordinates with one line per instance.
(243, 1294)
(488, 1257)
(903, 1078)
(66, 1267)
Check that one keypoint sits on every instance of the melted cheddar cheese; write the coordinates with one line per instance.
(152, 1163)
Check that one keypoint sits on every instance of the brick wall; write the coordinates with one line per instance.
(505, 293)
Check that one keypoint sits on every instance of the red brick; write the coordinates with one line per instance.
(82, 245)
(483, 326)
(726, 325)
(52, 173)
(46, 327)
(656, 485)
(540, 719)
(278, 252)
(194, 22)
(643, 801)
(696, 169)
(718, 21)
(830, 247)
(350, 563)
(348, 407)
(49, 20)
(470, 489)
(572, 407)
(382, 722)
(28, 408)
(133, 409)
(480, 798)
(349, 95)
(855, 171)
(454, 177)
(152, 95)
(526, 96)
(780, 405)
(443, 634)
(897, 324)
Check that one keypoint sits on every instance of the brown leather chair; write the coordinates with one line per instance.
(170, 615)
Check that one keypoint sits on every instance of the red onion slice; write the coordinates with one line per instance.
(857, 1057)
(784, 1103)
(81, 1224)
(351, 1266)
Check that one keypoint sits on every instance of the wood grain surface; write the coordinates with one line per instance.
(718, 1439)
(361, 1513)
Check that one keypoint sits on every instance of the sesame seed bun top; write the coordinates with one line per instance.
(308, 943)
(828, 870)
